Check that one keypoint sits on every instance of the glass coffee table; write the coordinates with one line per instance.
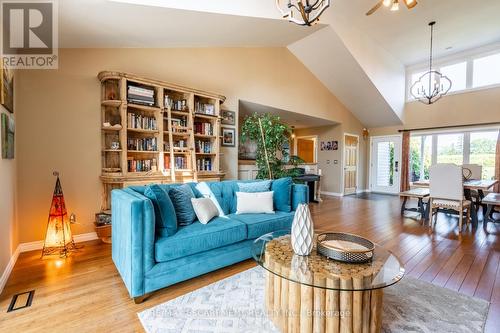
(316, 294)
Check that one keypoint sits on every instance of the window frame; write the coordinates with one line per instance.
(467, 57)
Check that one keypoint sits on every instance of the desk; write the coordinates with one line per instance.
(472, 184)
(309, 180)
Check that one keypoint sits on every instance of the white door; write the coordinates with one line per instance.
(385, 164)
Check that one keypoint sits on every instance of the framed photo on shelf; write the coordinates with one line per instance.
(228, 137)
(228, 117)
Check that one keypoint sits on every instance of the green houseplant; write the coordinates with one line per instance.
(270, 134)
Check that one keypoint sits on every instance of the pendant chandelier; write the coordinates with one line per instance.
(302, 12)
(432, 85)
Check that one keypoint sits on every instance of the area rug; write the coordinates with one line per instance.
(236, 304)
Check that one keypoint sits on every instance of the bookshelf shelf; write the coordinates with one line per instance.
(174, 115)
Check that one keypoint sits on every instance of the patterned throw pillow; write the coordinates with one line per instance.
(181, 199)
(254, 187)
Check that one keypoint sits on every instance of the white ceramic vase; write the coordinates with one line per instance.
(302, 231)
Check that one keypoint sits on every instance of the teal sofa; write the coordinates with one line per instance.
(147, 262)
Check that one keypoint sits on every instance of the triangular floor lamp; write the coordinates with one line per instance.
(58, 237)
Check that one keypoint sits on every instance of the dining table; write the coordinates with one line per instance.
(479, 185)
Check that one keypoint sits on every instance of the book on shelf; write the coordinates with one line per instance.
(166, 161)
(143, 144)
(182, 122)
(176, 105)
(140, 95)
(204, 128)
(180, 162)
(204, 164)
(204, 108)
(203, 146)
(141, 165)
(141, 122)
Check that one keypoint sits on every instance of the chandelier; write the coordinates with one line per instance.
(432, 85)
(302, 12)
(393, 4)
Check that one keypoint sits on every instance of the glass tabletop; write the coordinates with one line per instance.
(274, 253)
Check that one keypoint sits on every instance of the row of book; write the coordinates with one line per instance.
(203, 146)
(141, 95)
(141, 122)
(204, 164)
(182, 121)
(180, 162)
(204, 128)
(141, 165)
(204, 108)
(179, 105)
(144, 144)
(180, 144)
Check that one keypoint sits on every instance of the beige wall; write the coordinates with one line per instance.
(8, 226)
(58, 113)
(333, 173)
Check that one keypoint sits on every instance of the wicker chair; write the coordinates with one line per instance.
(446, 192)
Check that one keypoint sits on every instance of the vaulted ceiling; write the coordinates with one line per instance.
(361, 59)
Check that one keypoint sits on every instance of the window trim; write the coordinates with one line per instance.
(467, 57)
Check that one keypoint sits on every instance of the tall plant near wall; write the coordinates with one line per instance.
(270, 134)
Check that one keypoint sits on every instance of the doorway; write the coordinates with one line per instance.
(306, 148)
(385, 164)
(351, 147)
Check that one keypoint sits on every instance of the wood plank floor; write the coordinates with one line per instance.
(85, 293)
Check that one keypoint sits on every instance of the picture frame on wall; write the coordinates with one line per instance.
(329, 145)
(7, 138)
(7, 88)
(228, 117)
(228, 137)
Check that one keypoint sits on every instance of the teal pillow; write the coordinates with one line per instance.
(253, 187)
(181, 199)
(166, 220)
(282, 194)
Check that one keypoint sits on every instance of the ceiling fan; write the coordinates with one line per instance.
(394, 4)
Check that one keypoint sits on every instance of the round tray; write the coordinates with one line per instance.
(362, 250)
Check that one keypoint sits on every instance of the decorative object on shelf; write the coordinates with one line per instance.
(8, 129)
(302, 231)
(270, 136)
(7, 88)
(228, 137)
(329, 145)
(432, 85)
(345, 247)
(228, 117)
(393, 4)
(115, 145)
(58, 237)
(103, 226)
(302, 12)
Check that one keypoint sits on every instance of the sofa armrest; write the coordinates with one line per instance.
(133, 235)
(300, 194)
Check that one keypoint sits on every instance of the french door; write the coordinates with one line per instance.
(385, 164)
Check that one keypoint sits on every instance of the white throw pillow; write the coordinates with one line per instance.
(205, 190)
(204, 209)
(253, 203)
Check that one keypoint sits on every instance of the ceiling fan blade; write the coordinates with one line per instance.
(377, 6)
(410, 3)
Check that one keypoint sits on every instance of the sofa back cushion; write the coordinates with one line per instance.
(181, 199)
(165, 217)
(282, 189)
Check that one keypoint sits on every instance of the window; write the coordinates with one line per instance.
(475, 147)
(487, 71)
(457, 73)
(482, 151)
(450, 148)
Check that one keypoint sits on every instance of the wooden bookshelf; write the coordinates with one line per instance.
(172, 134)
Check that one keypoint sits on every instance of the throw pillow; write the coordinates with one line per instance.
(253, 187)
(254, 203)
(206, 192)
(282, 189)
(165, 219)
(205, 209)
(181, 199)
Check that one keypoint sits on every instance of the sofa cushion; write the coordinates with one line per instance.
(197, 237)
(165, 218)
(282, 189)
(181, 198)
(253, 187)
(260, 224)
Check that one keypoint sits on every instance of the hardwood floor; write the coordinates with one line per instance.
(85, 293)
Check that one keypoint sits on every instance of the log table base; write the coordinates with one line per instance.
(299, 308)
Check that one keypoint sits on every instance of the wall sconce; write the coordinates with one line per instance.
(366, 134)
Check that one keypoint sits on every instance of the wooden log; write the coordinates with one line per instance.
(376, 310)
(332, 304)
(367, 281)
(357, 304)
(285, 271)
(345, 304)
(306, 305)
(269, 294)
(277, 295)
(294, 302)
(319, 303)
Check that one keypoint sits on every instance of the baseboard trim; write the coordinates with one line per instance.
(37, 245)
(332, 194)
(8, 269)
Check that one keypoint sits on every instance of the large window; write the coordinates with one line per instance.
(474, 147)
(466, 73)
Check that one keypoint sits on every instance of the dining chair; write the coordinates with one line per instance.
(472, 171)
(446, 192)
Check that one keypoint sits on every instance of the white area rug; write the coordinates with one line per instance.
(236, 304)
